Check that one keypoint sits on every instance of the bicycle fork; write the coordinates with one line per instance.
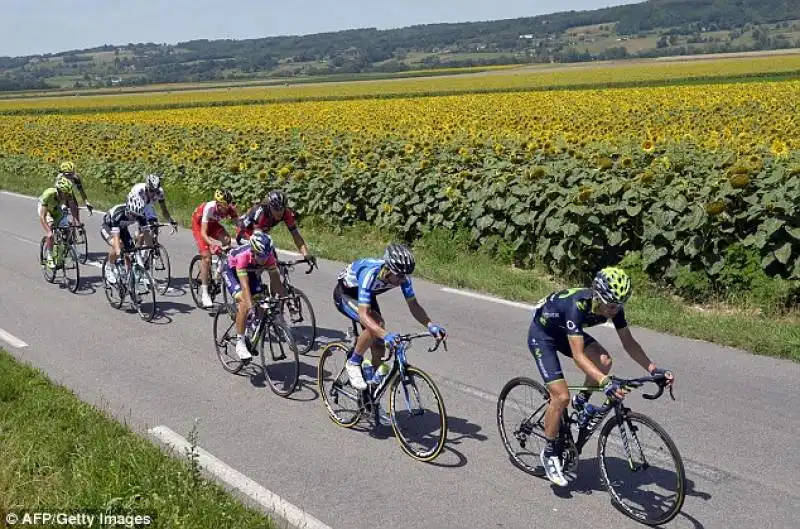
(622, 421)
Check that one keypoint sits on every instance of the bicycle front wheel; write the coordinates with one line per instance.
(225, 342)
(70, 268)
(419, 419)
(341, 399)
(279, 360)
(302, 320)
(113, 291)
(144, 293)
(641, 468)
(48, 273)
(160, 268)
(81, 243)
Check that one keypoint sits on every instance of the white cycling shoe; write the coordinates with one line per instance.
(553, 470)
(241, 350)
(356, 377)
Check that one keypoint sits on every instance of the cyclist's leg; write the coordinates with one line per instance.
(600, 357)
(543, 348)
(48, 245)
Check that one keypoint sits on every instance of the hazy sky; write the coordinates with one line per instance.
(48, 26)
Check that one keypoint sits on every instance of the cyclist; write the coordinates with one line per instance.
(355, 297)
(115, 231)
(242, 278)
(268, 213)
(150, 191)
(558, 323)
(210, 235)
(67, 170)
(53, 202)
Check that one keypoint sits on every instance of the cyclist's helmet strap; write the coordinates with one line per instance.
(399, 259)
(276, 199)
(612, 285)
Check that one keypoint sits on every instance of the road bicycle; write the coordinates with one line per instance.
(78, 238)
(299, 309)
(157, 260)
(406, 407)
(649, 488)
(65, 258)
(216, 284)
(130, 280)
(264, 327)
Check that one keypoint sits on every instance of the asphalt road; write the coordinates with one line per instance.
(734, 420)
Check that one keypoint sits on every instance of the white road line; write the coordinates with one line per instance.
(11, 193)
(267, 499)
(11, 340)
(23, 239)
(502, 301)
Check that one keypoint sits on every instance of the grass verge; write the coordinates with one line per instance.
(445, 258)
(59, 452)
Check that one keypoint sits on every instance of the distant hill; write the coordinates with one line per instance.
(647, 29)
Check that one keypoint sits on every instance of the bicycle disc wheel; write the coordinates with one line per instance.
(49, 274)
(144, 293)
(520, 419)
(302, 321)
(421, 431)
(341, 399)
(71, 269)
(279, 360)
(225, 342)
(641, 468)
(113, 292)
(160, 268)
(81, 243)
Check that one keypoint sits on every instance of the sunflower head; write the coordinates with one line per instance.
(715, 208)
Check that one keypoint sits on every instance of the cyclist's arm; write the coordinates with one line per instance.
(204, 233)
(164, 211)
(275, 280)
(369, 322)
(79, 185)
(418, 312)
(291, 224)
(635, 350)
(246, 296)
(43, 220)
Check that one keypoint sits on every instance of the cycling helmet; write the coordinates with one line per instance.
(153, 181)
(223, 196)
(63, 184)
(612, 285)
(136, 205)
(399, 259)
(67, 167)
(261, 244)
(276, 199)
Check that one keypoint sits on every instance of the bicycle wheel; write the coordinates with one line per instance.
(144, 293)
(520, 419)
(81, 242)
(225, 342)
(302, 321)
(408, 413)
(281, 364)
(49, 274)
(646, 478)
(113, 291)
(70, 268)
(341, 399)
(160, 268)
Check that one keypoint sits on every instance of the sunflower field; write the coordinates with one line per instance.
(573, 179)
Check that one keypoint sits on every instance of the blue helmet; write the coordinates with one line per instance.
(261, 244)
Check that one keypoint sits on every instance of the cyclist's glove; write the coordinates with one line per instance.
(390, 340)
(610, 387)
(659, 371)
(436, 331)
(89, 207)
(174, 223)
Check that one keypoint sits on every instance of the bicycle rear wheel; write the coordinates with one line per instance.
(49, 274)
(225, 342)
(281, 364)
(341, 399)
(421, 432)
(645, 477)
(160, 268)
(144, 293)
(302, 321)
(70, 268)
(520, 419)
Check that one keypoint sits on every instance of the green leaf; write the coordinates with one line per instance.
(571, 229)
(794, 232)
(633, 210)
(677, 203)
(716, 268)
(484, 222)
(594, 219)
(558, 252)
(651, 254)
(784, 253)
(614, 238)
(771, 225)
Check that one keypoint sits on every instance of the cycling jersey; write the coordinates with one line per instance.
(115, 222)
(259, 218)
(209, 212)
(559, 315)
(74, 178)
(51, 202)
(368, 275)
(242, 263)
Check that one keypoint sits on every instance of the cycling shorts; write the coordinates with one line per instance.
(346, 301)
(545, 349)
(235, 287)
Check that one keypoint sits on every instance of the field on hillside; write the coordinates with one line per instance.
(521, 79)
(569, 178)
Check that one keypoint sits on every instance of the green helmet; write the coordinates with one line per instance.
(64, 185)
(612, 285)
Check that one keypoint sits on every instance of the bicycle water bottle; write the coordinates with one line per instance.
(381, 373)
(368, 370)
(586, 415)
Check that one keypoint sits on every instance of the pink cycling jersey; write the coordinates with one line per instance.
(241, 258)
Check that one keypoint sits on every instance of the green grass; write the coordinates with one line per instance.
(445, 257)
(61, 454)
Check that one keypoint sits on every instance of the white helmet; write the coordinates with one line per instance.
(153, 181)
(136, 205)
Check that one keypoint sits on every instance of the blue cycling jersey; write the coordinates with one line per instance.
(567, 312)
(369, 276)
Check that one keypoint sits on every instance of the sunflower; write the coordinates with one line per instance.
(779, 148)
(648, 146)
(626, 162)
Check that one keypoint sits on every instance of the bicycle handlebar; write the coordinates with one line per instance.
(410, 337)
(163, 225)
(312, 263)
(659, 380)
